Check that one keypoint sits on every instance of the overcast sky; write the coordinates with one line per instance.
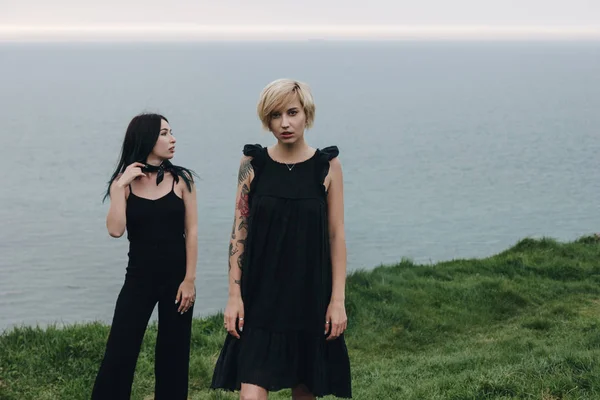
(26, 16)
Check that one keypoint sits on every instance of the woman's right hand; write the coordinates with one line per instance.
(233, 312)
(132, 172)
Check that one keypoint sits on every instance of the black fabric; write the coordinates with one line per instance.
(176, 171)
(156, 268)
(286, 284)
(165, 166)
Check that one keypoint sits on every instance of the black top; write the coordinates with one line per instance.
(156, 233)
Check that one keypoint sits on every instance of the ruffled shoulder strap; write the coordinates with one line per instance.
(258, 154)
(329, 153)
(252, 150)
(325, 156)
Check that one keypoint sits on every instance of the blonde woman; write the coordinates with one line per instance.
(287, 261)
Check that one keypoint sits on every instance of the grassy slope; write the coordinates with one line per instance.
(521, 324)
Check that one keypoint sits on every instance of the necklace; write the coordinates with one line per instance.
(290, 166)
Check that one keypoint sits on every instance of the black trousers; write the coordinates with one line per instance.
(134, 307)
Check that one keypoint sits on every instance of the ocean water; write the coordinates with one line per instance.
(449, 150)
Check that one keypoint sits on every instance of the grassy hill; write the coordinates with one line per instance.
(523, 324)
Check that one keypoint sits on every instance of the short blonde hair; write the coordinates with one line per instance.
(281, 92)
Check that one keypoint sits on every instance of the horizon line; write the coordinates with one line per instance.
(197, 32)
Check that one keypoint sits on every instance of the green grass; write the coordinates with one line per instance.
(523, 324)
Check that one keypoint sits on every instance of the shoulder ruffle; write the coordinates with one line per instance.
(325, 156)
(329, 153)
(253, 150)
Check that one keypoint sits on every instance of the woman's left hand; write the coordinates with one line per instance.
(186, 296)
(335, 319)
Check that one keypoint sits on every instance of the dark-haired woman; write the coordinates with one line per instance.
(155, 201)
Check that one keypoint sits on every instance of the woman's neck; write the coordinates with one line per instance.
(155, 161)
(290, 150)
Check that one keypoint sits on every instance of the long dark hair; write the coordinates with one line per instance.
(140, 138)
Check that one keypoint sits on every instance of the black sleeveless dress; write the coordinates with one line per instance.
(286, 284)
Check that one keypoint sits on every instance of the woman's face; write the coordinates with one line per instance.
(288, 123)
(164, 148)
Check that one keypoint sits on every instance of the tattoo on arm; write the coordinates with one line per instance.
(243, 203)
(232, 251)
(244, 207)
(243, 225)
(237, 281)
(245, 170)
(241, 261)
